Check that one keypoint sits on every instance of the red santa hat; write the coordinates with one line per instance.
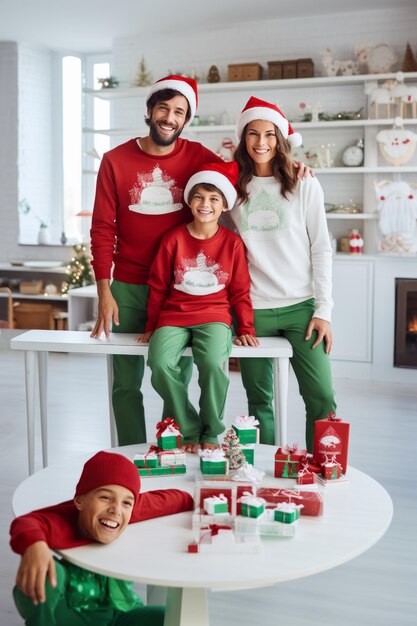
(222, 175)
(257, 109)
(108, 468)
(186, 86)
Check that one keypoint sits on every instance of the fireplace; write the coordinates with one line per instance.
(405, 350)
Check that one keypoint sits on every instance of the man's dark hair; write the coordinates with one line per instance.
(164, 95)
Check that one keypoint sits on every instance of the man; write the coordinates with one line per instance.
(139, 198)
(106, 500)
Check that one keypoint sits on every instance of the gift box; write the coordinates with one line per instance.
(232, 492)
(288, 461)
(306, 478)
(312, 501)
(250, 505)
(221, 539)
(162, 471)
(147, 459)
(245, 427)
(216, 504)
(287, 512)
(331, 469)
(213, 462)
(331, 437)
(171, 457)
(168, 435)
(249, 453)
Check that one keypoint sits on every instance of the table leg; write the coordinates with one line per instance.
(186, 607)
(43, 398)
(226, 371)
(156, 595)
(30, 373)
(281, 370)
(113, 431)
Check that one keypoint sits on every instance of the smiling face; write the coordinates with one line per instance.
(167, 119)
(261, 145)
(206, 204)
(105, 512)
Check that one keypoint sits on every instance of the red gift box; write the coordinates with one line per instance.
(288, 461)
(311, 500)
(331, 469)
(306, 478)
(331, 437)
(232, 492)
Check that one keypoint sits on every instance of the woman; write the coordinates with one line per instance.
(282, 222)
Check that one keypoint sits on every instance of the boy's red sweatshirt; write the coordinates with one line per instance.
(58, 524)
(139, 198)
(197, 281)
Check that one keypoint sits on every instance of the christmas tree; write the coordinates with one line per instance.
(79, 269)
(409, 61)
(143, 77)
(233, 450)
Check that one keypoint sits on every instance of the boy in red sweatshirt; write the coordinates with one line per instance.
(199, 274)
(50, 592)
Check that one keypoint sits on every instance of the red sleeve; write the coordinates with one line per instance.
(161, 502)
(159, 283)
(239, 292)
(57, 525)
(103, 226)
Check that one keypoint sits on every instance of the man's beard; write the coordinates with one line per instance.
(160, 141)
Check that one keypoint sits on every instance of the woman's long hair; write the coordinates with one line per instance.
(282, 166)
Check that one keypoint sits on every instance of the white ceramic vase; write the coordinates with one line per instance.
(44, 236)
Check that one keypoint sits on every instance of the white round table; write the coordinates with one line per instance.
(356, 515)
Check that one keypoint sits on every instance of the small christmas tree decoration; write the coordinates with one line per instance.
(233, 450)
(409, 61)
(79, 269)
(143, 78)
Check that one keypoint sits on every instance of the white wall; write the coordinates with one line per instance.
(264, 41)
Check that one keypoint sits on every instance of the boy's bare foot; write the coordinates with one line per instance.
(190, 447)
(207, 445)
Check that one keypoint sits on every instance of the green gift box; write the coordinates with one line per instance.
(249, 454)
(220, 468)
(170, 442)
(247, 435)
(249, 510)
(286, 517)
(212, 507)
(162, 471)
(146, 461)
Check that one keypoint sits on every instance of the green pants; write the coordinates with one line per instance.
(128, 371)
(311, 367)
(56, 611)
(211, 345)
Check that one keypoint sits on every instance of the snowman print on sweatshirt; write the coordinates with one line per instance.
(200, 276)
(263, 215)
(155, 193)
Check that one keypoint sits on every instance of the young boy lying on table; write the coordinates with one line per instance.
(50, 592)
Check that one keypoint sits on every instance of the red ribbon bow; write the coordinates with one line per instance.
(162, 426)
(332, 417)
(214, 529)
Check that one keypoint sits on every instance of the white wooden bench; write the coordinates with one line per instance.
(41, 342)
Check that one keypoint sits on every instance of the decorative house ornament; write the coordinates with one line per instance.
(397, 144)
(397, 208)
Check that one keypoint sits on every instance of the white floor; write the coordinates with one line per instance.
(377, 588)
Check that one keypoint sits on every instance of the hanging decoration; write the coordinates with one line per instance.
(397, 145)
(397, 208)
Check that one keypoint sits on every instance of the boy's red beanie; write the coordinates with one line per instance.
(108, 468)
